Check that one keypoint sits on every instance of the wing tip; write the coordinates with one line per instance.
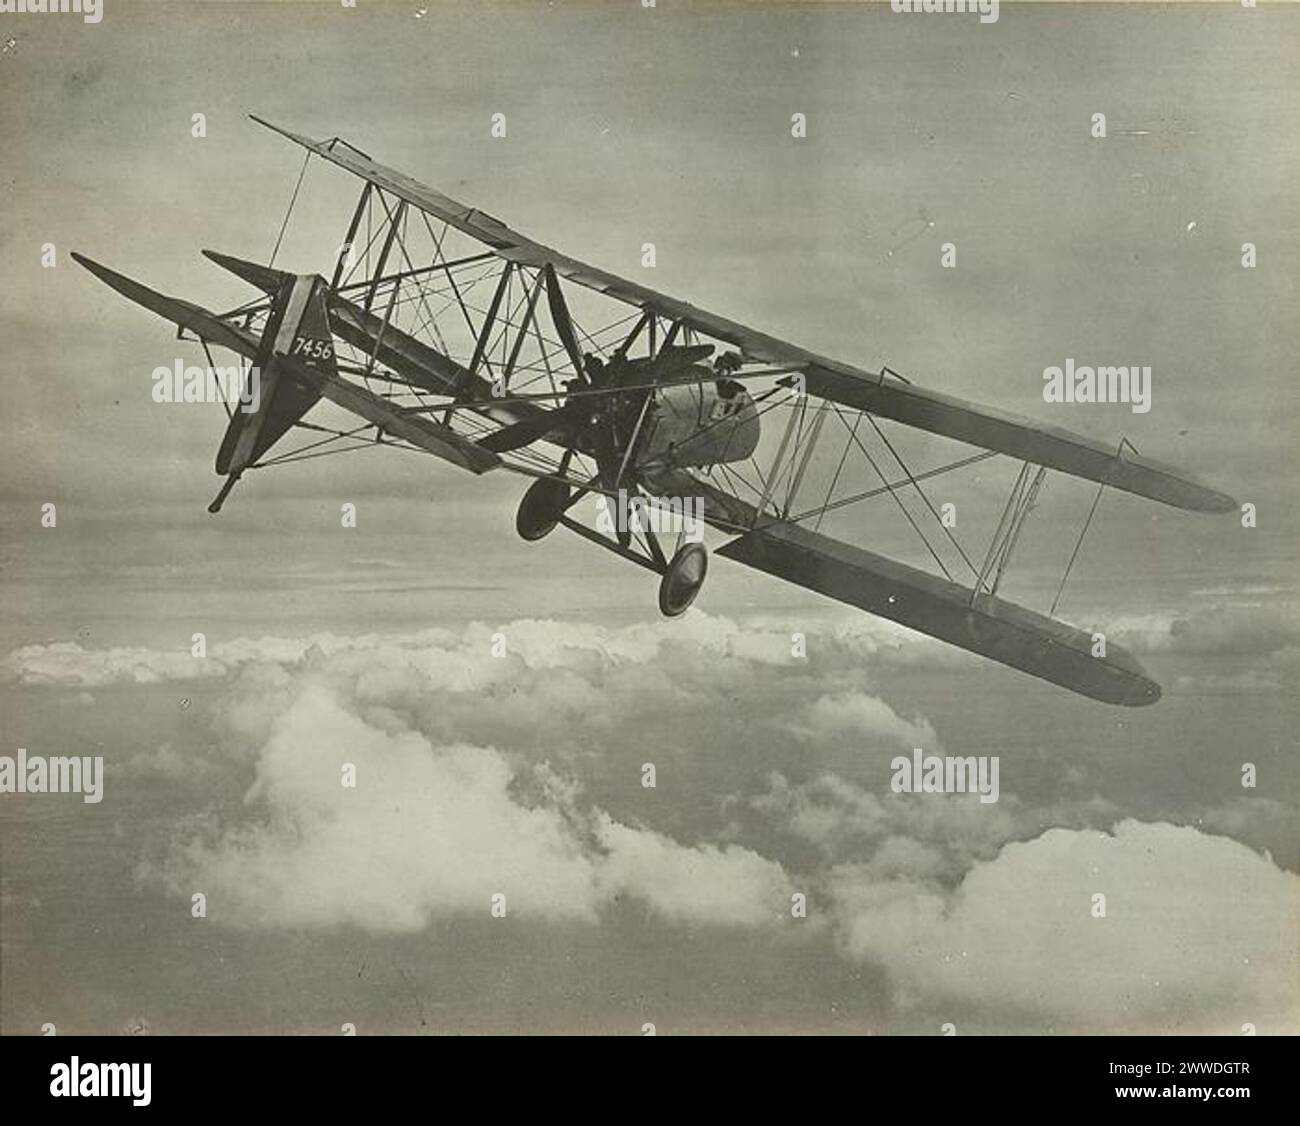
(297, 138)
(1205, 498)
(1222, 503)
(266, 278)
(1189, 490)
(108, 276)
(1149, 695)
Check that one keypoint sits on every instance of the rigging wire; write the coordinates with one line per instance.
(917, 486)
(893, 493)
(1078, 544)
(843, 502)
(284, 226)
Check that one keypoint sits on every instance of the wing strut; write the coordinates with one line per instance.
(1024, 494)
(1078, 544)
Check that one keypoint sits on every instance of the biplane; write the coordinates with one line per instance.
(444, 331)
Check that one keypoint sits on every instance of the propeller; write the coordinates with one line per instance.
(567, 421)
(563, 322)
(562, 422)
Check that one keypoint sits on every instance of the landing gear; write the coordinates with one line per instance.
(682, 579)
(541, 508)
(546, 504)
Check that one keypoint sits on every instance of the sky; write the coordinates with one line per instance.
(523, 774)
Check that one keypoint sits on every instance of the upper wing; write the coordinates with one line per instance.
(829, 379)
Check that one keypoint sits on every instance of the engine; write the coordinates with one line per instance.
(696, 425)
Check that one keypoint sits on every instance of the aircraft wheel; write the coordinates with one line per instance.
(541, 508)
(683, 579)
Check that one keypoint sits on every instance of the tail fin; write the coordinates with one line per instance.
(275, 399)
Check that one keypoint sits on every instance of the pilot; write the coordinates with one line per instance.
(727, 363)
(594, 367)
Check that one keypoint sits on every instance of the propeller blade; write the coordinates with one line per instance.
(673, 362)
(563, 322)
(519, 434)
(677, 356)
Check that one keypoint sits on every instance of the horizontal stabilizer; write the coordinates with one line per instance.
(198, 320)
(266, 278)
(989, 626)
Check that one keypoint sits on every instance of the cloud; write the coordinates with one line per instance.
(920, 835)
(727, 885)
(1234, 646)
(432, 830)
(856, 714)
(1237, 646)
(460, 660)
(168, 762)
(519, 774)
(1223, 629)
(424, 831)
(66, 663)
(1255, 645)
(1199, 933)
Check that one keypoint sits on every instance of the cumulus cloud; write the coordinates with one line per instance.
(728, 885)
(857, 714)
(1199, 932)
(453, 741)
(166, 761)
(1237, 646)
(1223, 629)
(519, 774)
(919, 835)
(459, 660)
(66, 663)
(424, 831)
(430, 829)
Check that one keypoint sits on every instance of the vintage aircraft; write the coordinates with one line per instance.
(488, 384)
